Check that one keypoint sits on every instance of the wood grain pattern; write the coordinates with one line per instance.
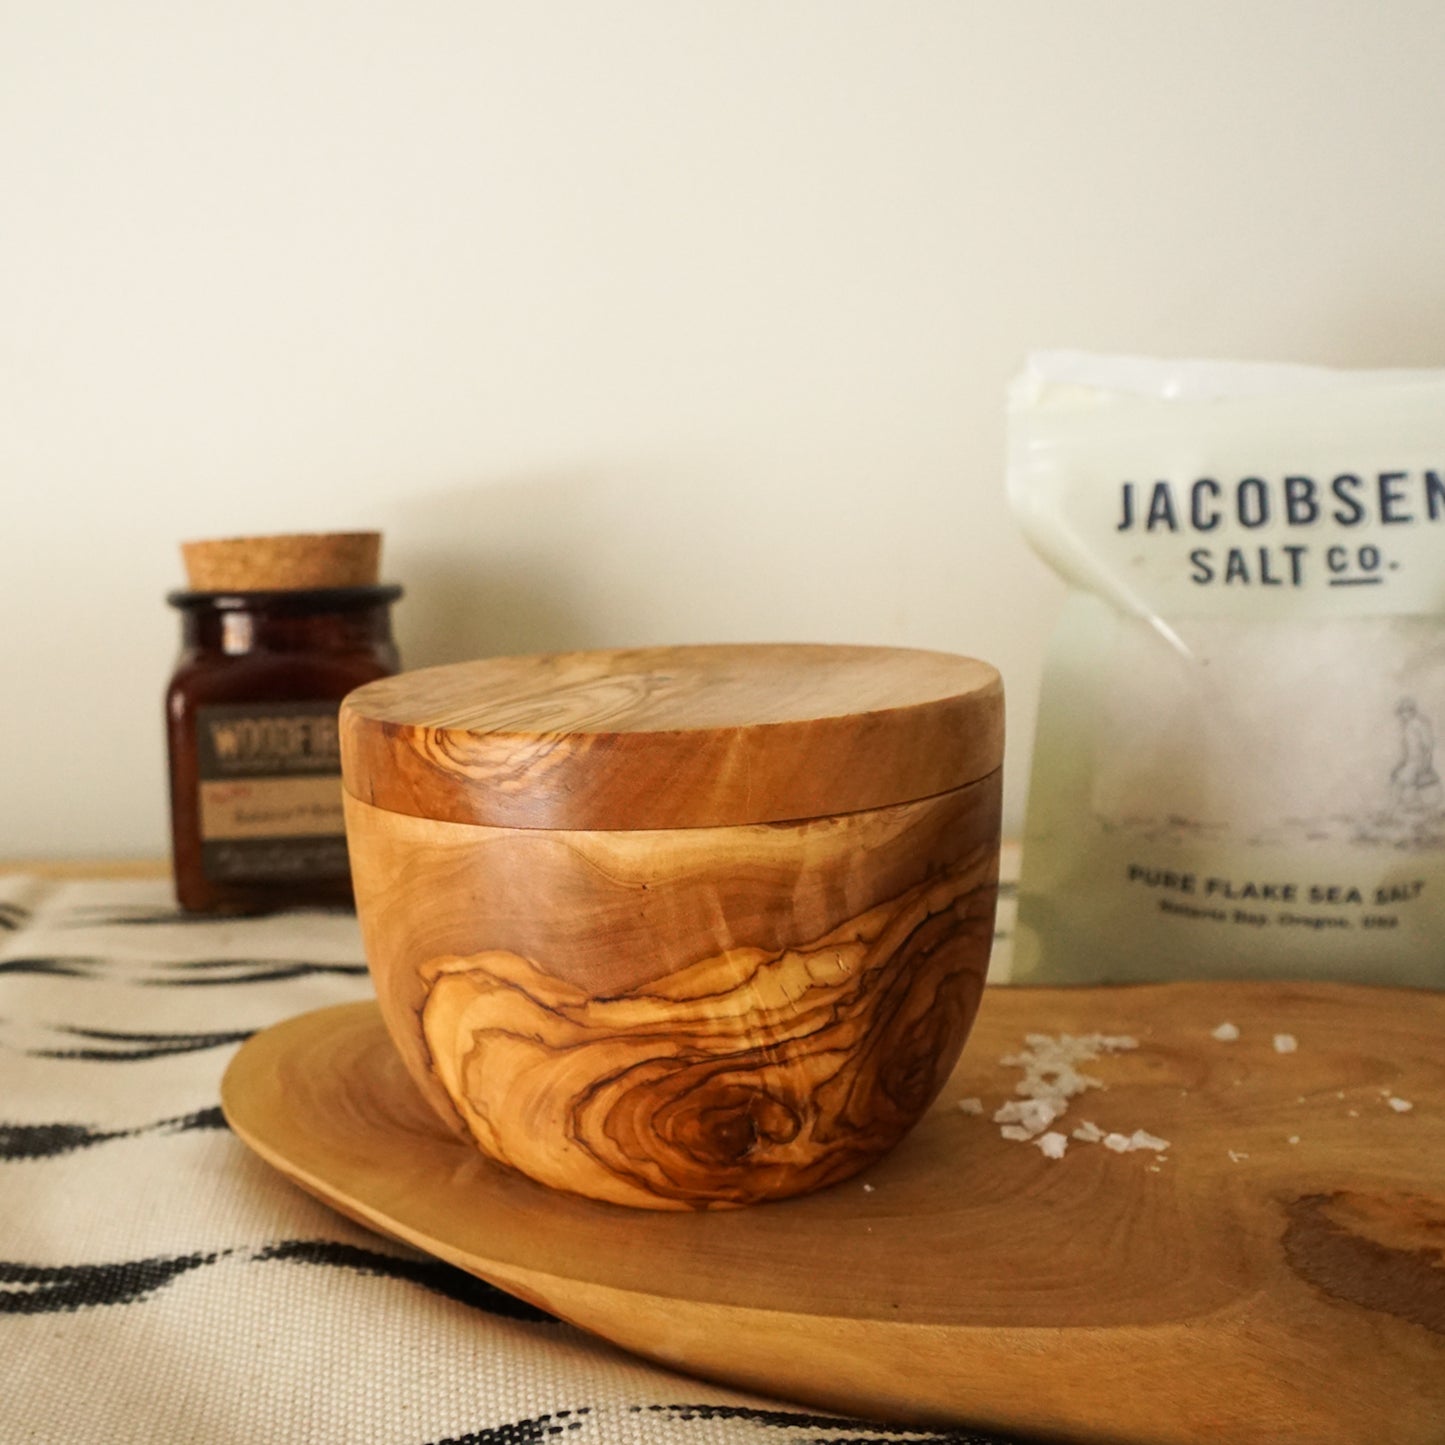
(675, 737)
(1252, 1289)
(682, 1018)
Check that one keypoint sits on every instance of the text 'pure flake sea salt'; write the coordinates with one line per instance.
(1241, 733)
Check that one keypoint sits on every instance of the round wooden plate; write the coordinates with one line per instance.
(1244, 1286)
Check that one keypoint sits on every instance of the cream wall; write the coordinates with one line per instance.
(638, 321)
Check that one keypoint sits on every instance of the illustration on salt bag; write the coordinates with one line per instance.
(1415, 782)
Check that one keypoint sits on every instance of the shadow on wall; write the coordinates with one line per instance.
(717, 549)
(542, 564)
(455, 609)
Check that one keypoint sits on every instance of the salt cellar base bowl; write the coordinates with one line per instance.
(679, 927)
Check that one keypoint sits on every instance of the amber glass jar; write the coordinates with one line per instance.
(256, 820)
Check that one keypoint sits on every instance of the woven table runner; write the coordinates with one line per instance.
(158, 1282)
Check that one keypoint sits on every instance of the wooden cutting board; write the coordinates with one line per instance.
(1278, 1274)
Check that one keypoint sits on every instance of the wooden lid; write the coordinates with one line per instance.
(283, 563)
(672, 737)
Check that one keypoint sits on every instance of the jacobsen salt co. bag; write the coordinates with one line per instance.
(1241, 736)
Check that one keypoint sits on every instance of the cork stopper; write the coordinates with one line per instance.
(282, 563)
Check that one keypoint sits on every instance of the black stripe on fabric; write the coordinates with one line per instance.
(54, 967)
(134, 1048)
(522, 1432)
(828, 1429)
(430, 1274)
(49, 1141)
(27, 1289)
(13, 916)
(201, 972)
(99, 915)
(44, 1289)
(209, 972)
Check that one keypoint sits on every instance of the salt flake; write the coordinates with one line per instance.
(1035, 1115)
(971, 1106)
(1051, 1079)
(1400, 1106)
(1053, 1144)
(1226, 1033)
(1140, 1139)
(1285, 1043)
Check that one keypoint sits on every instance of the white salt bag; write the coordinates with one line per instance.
(1241, 736)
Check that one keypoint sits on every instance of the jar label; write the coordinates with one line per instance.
(270, 792)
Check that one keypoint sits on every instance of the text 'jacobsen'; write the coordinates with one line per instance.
(1348, 500)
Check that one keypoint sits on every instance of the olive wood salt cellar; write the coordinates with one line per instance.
(679, 927)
